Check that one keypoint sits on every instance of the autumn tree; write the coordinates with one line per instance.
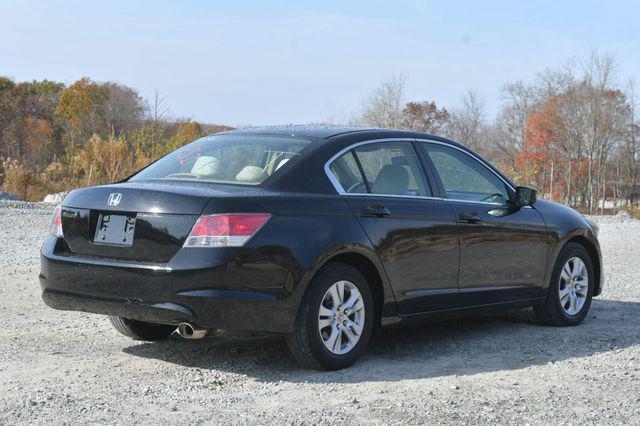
(539, 149)
(55, 138)
(7, 112)
(20, 106)
(518, 101)
(82, 109)
(424, 117)
(183, 133)
(39, 137)
(571, 131)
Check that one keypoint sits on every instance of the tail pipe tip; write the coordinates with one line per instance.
(190, 331)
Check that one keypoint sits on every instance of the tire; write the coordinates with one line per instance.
(308, 343)
(139, 330)
(554, 311)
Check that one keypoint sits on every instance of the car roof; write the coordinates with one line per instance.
(323, 131)
(327, 135)
(330, 132)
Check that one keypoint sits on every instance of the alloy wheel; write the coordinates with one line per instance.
(574, 286)
(341, 317)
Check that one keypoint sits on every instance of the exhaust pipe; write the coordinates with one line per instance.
(191, 331)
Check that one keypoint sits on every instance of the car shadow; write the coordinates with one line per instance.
(505, 341)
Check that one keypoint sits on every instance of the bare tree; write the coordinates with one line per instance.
(124, 108)
(632, 147)
(155, 110)
(518, 101)
(604, 122)
(560, 87)
(572, 128)
(383, 107)
(468, 121)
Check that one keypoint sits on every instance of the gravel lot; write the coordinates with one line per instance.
(63, 367)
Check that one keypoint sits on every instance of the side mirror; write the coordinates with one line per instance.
(525, 196)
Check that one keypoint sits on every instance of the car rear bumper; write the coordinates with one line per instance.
(227, 296)
(169, 313)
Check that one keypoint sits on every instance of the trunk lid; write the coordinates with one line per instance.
(139, 221)
(146, 197)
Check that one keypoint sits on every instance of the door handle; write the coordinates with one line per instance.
(376, 210)
(469, 217)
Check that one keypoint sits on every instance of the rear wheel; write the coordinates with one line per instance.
(140, 330)
(335, 321)
(570, 290)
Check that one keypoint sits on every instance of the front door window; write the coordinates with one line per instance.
(464, 178)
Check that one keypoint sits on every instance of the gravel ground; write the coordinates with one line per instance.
(63, 367)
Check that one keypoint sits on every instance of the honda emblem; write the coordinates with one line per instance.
(114, 199)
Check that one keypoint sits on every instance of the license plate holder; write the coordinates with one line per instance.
(115, 229)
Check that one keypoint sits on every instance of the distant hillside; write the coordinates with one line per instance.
(55, 137)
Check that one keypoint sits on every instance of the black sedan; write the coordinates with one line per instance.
(318, 233)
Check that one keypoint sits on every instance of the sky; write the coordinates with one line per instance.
(278, 62)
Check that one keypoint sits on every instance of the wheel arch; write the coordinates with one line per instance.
(370, 273)
(368, 264)
(593, 255)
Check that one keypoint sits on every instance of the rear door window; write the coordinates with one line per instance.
(390, 168)
(346, 171)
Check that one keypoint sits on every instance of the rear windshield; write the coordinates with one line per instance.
(233, 159)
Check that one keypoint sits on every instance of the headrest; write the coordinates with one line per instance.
(206, 166)
(400, 161)
(251, 174)
(392, 179)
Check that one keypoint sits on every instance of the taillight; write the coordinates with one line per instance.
(225, 230)
(56, 223)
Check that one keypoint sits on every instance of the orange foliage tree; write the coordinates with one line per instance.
(544, 155)
(39, 137)
(535, 156)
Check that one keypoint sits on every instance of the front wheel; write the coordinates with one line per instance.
(570, 290)
(335, 321)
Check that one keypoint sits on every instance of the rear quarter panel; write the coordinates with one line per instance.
(304, 232)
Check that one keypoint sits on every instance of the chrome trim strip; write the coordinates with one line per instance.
(470, 155)
(496, 288)
(115, 264)
(334, 180)
(233, 294)
(420, 197)
(454, 200)
(340, 190)
(432, 292)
